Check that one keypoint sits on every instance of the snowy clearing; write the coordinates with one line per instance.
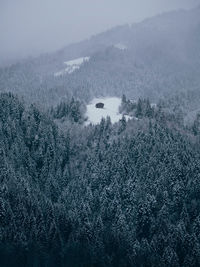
(120, 46)
(111, 109)
(72, 65)
(77, 61)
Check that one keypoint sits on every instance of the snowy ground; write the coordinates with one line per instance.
(72, 65)
(120, 46)
(111, 109)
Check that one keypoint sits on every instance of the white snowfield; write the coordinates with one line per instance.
(120, 46)
(77, 62)
(111, 109)
(72, 65)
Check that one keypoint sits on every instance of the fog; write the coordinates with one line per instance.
(31, 27)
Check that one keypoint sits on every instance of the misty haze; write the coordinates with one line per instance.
(100, 133)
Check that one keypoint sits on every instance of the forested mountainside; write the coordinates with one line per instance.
(125, 194)
(153, 59)
(73, 193)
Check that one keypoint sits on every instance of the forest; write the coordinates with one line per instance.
(124, 194)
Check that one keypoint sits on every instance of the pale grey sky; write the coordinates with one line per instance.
(30, 27)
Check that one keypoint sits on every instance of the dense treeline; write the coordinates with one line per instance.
(73, 110)
(108, 195)
(144, 109)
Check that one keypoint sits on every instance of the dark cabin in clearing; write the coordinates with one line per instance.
(100, 105)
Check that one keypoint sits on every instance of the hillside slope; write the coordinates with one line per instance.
(162, 55)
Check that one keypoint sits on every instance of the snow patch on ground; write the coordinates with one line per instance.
(72, 65)
(120, 46)
(153, 105)
(111, 109)
(77, 62)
